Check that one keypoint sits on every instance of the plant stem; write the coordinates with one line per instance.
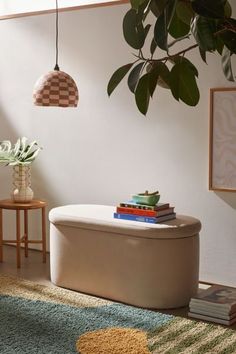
(169, 56)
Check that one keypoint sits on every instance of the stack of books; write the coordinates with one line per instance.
(145, 213)
(215, 304)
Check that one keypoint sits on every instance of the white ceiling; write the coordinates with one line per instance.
(10, 8)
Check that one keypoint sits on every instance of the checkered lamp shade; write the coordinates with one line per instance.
(56, 89)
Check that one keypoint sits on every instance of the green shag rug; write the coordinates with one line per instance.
(36, 319)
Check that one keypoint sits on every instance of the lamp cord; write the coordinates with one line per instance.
(56, 66)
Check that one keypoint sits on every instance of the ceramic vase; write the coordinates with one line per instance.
(22, 192)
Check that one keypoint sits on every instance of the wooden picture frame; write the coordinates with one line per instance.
(83, 5)
(222, 149)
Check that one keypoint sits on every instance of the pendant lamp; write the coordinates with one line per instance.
(56, 88)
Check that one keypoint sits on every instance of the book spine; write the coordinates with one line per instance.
(152, 213)
(209, 304)
(214, 309)
(211, 319)
(135, 218)
(220, 315)
(147, 219)
(157, 207)
(141, 207)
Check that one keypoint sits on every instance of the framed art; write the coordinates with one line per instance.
(15, 8)
(222, 150)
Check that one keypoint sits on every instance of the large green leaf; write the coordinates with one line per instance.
(226, 64)
(164, 76)
(170, 8)
(202, 54)
(161, 31)
(159, 75)
(142, 94)
(219, 45)
(157, 6)
(229, 38)
(183, 84)
(184, 11)
(153, 46)
(177, 27)
(134, 76)
(143, 11)
(133, 30)
(187, 62)
(209, 8)
(136, 3)
(162, 24)
(153, 77)
(116, 78)
(228, 9)
(204, 30)
(146, 30)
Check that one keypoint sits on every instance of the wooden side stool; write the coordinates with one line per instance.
(11, 205)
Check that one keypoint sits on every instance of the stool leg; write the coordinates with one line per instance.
(18, 240)
(26, 231)
(44, 234)
(1, 236)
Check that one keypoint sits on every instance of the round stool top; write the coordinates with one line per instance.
(100, 218)
(33, 204)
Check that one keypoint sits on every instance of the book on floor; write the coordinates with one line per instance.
(212, 319)
(152, 220)
(212, 313)
(212, 309)
(215, 298)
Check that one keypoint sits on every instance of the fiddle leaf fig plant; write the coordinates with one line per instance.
(163, 32)
(21, 153)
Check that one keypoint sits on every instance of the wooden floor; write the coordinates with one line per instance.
(33, 268)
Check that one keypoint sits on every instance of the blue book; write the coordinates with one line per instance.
(151, 220)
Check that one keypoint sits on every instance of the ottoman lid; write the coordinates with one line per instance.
(100, 218)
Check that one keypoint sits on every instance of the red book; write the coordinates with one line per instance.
(154, 213)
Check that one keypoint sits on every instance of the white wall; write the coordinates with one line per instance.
(105, 151)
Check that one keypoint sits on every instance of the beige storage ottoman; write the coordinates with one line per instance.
(146, 265)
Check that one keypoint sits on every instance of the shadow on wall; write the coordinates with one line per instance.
(228, 197)
(39, 184)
